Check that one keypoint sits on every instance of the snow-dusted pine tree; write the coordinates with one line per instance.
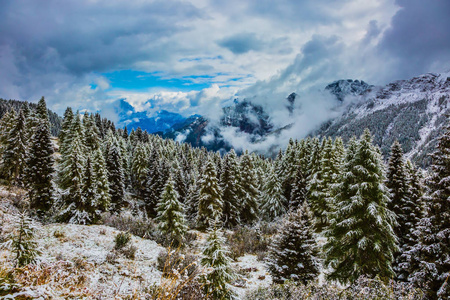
(401, 204)
(299, 192)
(248, 190)
(433, 249)
(229, 182)
(210, 197)
(115, 176)
(217, 261)
(100, 175)
(64, 135)
(273, 202)
(40, 169)
(139, 165)
(16, 151)
(71, 181)
(361, 239)
(294, 254)
(171, 214)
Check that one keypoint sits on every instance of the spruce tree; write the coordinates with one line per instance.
(400, 204)
(216, 283)
(272, 200)
(299, 189)
(40, 169)
(210, 197)
(64, 135)
(413, 209)
(139, 169)
(229, 182)
(7, 122)
(72, 173)
(16, 151)
(115, 176)
(21, 241)
(248, 190)
(361, 239)
(294, 254)
(433, 232)
(100, 175)
(171, 214)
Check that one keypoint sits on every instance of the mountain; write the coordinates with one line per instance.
(344, 88)
(159, 122)
(413, 111)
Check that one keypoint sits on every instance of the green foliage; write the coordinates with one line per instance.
(210, 197)
(121, 240)
(21, 242)
(361, 240)
(293, 253)
(215, 258)
(171, 215)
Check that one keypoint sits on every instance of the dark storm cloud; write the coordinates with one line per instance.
(294, 14)
(242, 43)
(84, 36)
(419, 38)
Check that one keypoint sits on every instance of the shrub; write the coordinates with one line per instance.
(172, 263)
(129, 252)
(121, 240)
(247, 240)
(137, 225)
(362, 289)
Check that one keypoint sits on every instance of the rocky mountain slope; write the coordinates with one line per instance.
(413, 111)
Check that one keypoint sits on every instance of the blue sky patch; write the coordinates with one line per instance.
(138, 80)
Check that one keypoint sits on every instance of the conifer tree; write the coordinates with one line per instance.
(229, 181)
(64, 135)
(215, 257)
(400, 204)
(153, 183)
(272, 200)
(192, 197)
(41, 110)
(180, 181)
(40, 169)
(91, 133)
(210, 197)
(294, 254)
(72, 173)
(100, 175)
(433, 232)
(319, 184)
(248, 190)
(299, 192)
(115, 176)
(139, 169)
(16, 151)
(21, 242)
(6, 124)
(171, 214)
(361, 239)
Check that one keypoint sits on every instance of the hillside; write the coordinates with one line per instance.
(412, 111)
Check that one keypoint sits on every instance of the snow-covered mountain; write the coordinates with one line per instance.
(413, 111)
(159, 122)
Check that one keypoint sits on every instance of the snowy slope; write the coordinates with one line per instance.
(413, 111)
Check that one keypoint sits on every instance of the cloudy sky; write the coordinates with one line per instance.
(188, 56)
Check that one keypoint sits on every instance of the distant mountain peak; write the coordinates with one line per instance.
(345, 87)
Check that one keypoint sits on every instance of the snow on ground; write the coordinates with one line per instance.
(255, 276)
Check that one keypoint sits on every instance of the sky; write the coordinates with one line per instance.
(194, 56)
